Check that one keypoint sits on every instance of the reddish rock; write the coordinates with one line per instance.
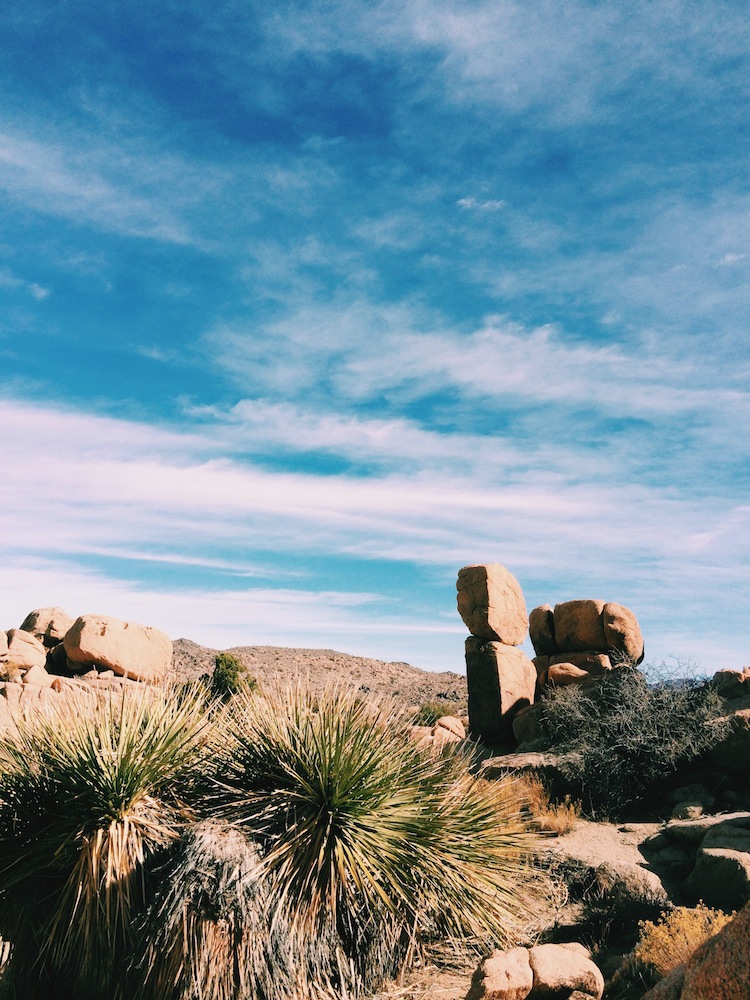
(579, 626)
(491, 604)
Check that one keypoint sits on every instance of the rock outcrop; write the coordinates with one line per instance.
(138, 652)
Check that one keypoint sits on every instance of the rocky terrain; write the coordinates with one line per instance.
(409, 685)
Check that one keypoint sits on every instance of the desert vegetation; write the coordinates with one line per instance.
(279, 844)
(622, 738)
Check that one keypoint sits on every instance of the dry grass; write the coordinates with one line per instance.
(547, 817)
(665, 944)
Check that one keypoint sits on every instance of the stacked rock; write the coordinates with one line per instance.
(583, 639)
(501, 678)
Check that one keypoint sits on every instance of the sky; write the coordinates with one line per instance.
(306, 305)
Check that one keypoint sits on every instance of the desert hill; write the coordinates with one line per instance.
(408, 685)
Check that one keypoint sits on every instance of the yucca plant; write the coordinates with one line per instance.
(88, 793)
(206, 932)
(368, 840)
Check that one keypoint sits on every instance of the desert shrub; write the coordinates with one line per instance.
(429, 712)
(547, 816)
(206, 933)
(368, 840)
(87, 794)
(665, 944)
(629, 736)
(230, 676)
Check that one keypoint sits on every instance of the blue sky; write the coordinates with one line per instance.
(303, 306)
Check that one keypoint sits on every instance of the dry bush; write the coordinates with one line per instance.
(665, 944)
(546, 816)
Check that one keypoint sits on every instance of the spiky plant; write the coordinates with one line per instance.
(87, 794)
(368, 839)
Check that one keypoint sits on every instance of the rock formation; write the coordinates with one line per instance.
(501, 678)
(581, 639)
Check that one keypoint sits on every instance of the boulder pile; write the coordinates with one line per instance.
(52, 654)
(578, 640)
(501, 677)
(574, 642)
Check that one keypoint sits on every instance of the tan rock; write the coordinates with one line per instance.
(491, 604)
(622, 632)
(25, 650)
(501, 681)
(562, 674)
(49, 625)
(579, 626)
(136, 651)
(39, 676)
(558, 970)
(718, 970)
(3, 646)
(452, 725)
(592, 662)
(504, 975)
(542, 630)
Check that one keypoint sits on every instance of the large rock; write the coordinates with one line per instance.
(501, 681)
(49, 625)
(564, 969)
(491, 604)
(546, 970)
(24, 650)
(563, 674)
(732, 753)
(542, 630)
(3, 646)
(579, 626)
(721, 876)
(622, 632)
(503, 975)
(136, 651)
(718, 970)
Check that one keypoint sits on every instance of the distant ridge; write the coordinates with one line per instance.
(407, 684)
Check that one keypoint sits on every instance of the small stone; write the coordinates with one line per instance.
(563, 674)
(504, 975)
(38, 675)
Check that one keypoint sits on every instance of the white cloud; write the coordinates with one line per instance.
(12, 281)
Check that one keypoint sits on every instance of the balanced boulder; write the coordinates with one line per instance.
(138, 652)
(491, 604)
